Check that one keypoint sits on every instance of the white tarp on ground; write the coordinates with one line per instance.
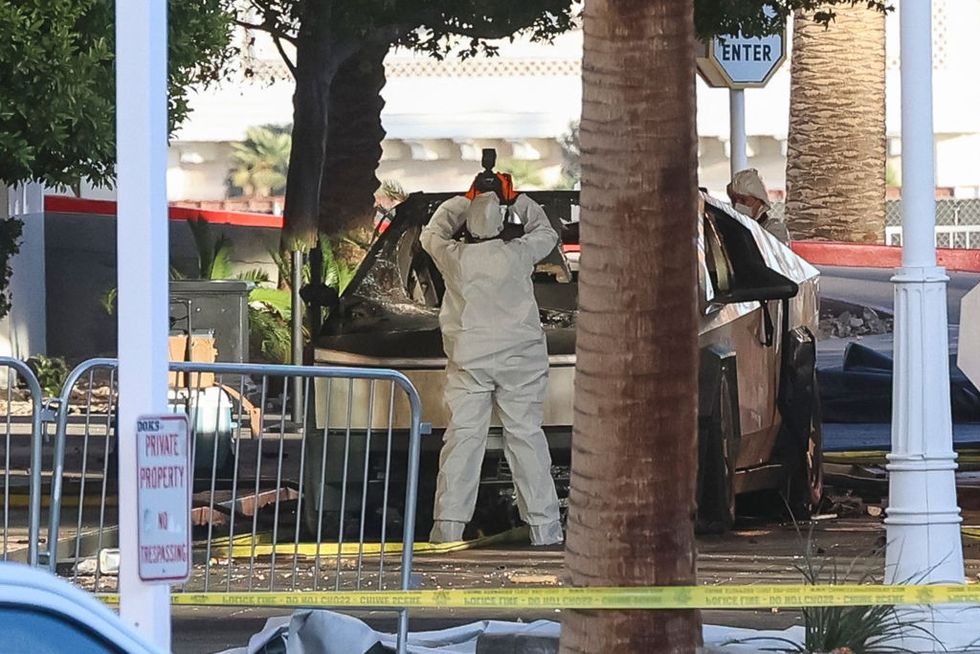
(326, 632)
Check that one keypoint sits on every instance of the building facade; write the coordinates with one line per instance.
(440, 114)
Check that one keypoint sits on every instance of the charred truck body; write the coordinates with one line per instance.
(759, 427)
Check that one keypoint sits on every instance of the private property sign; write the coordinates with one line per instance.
(164, 476)
(737, 62)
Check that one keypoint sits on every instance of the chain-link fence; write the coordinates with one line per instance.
(957, 222)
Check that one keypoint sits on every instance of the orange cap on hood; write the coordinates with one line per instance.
(506, 183)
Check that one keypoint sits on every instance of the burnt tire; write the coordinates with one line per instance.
(719, 434)
(804, 487)
(801, 441)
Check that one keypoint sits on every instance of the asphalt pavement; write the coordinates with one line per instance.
(848, 538)
(757, 551)
(872, 287)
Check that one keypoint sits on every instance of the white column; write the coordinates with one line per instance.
(143, 248)
(923, 519)
(23, 331)
(736, 115)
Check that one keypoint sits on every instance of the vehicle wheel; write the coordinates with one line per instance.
(805, 487)
(801, 443)
(718, 437)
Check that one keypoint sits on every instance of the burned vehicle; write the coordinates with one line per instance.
(759, 426)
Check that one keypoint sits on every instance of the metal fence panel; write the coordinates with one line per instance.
(957, 221)
(21, 416)
(310, 503)
(947, 236)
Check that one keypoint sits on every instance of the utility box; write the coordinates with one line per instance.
(219, 307)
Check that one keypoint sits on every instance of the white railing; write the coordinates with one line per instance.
(947, 236)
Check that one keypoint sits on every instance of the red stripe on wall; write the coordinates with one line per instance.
(821, 253)
(855, 255)
(63, 204)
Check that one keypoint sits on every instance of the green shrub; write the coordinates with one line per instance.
(51, 372)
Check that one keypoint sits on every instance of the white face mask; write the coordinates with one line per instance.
(743, 209)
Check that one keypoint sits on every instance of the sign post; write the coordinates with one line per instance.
(737, 63)
(142, 257)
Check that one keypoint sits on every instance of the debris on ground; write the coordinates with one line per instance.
(839, 322)
(846, 506)
(519, 577)
(17, 407)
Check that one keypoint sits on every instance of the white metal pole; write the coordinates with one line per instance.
(923, 519)
(142, 259)
(736, 114)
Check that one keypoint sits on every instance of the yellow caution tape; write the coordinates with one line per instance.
(22, 501)
(242, 546)
(676, 597)
(245, 546)
(967, 459)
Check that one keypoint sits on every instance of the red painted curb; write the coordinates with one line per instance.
(857, 255)
(820, 253)
(63, 204)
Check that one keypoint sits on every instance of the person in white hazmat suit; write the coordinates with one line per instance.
(497, 356)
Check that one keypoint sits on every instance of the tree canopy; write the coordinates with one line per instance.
(332, 32)
(760, 17)
(57, 82)
(430, 26)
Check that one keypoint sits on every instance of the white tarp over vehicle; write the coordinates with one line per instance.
(326, 632)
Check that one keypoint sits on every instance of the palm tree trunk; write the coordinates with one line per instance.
(835, 167)
(354, 141)
(634, 460)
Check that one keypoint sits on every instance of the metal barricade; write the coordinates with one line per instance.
(22, 412)
(279, 503)
(947, 236)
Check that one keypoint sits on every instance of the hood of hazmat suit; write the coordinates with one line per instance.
(483, 217)
(748, 182)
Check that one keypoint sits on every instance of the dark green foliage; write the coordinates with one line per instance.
(260, 162)
(10, 231)
(57, 82)
(269, 335)
(861, 629)
(714, 17)
(328, 33)
(856, 629)
(51, 373)
(431, 26)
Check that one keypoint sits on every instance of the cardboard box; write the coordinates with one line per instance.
(202, 351)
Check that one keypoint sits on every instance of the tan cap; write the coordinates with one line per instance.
(747, 182)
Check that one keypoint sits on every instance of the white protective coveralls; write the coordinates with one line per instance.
(497, 355)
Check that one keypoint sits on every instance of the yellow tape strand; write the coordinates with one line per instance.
(677, 597)
(967, 459)
(242, 547)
